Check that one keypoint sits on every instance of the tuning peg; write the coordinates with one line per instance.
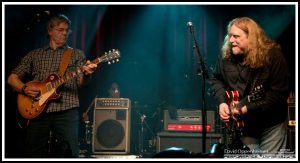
(117, 60)
(113, 61)
(109, 62)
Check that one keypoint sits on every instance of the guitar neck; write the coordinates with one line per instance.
(105, 58)
(243, 102)
(72, 75)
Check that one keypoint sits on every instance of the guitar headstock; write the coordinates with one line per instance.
(111, 56)
(257, 94)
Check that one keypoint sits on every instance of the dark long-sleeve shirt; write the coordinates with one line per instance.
(230, 74)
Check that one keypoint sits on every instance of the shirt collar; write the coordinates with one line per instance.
(47, 47)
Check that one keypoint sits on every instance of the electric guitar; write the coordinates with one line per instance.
(235, 125)
(30, 108)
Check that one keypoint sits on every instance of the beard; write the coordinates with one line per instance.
(236, 50)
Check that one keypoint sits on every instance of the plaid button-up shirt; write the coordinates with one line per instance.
(38, 64)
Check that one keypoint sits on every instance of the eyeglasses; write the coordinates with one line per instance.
(61, 30)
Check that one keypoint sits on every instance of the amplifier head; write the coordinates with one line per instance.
(112, 103)
(188, 120)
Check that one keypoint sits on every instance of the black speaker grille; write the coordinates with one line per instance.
(110, 133)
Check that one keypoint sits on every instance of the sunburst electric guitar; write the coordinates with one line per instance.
(30, 108)
(235, 125)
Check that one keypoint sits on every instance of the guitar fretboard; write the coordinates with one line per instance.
(66, 78)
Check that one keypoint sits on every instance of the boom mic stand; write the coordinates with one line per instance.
(143, 124)
(88, 127)
(202, 72)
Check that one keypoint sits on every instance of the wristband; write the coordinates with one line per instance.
(23, 88)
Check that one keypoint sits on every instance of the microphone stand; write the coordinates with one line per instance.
(87, 138)
(202, 71)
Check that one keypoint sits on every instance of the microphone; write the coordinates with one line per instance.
(190, 25)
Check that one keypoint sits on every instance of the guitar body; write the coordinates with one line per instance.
(236, 124)
(29, 107)
(232, 100)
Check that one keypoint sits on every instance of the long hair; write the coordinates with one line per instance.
(259, 43)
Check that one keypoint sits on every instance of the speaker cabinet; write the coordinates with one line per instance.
(190, 141)
(291, 139)
(111, 129)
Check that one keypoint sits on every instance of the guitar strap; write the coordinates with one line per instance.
(255, 81)
(65, 61)
(252, 81)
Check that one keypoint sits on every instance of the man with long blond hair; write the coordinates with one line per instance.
(252, 65)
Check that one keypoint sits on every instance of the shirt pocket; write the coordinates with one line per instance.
(231, 73)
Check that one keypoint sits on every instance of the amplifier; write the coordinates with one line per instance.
(111, 126)
(112, 103)
(291, 115)
(188, 120)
